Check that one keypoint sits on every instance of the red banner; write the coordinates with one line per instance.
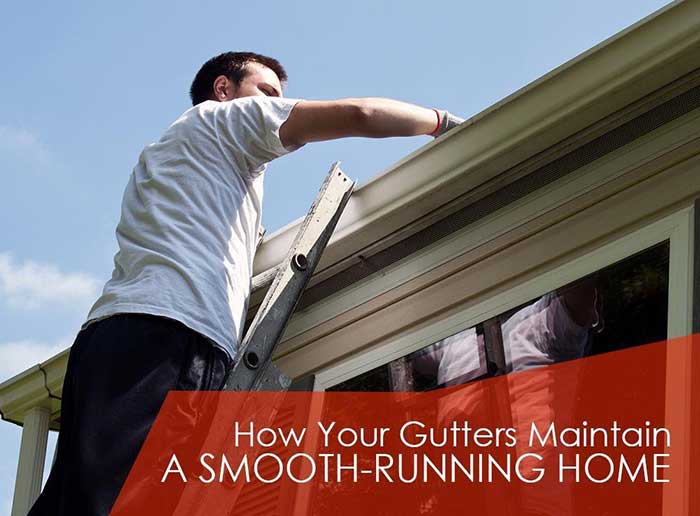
(610, 434)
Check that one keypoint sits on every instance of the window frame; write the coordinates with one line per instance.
(677, 228)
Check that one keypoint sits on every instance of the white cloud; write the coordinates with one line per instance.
(23, 142)
(31, 285)
(15, 357)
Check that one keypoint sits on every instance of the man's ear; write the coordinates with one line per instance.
(223, 89)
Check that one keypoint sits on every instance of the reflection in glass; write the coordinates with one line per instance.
(623, 305)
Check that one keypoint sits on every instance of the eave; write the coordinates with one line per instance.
(563, 103)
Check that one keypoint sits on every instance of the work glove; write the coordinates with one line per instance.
(447, 122)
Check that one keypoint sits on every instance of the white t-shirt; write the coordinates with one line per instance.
(190, 218)
(543, 333)
(459, 358)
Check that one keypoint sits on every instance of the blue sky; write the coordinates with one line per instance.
(86, 85)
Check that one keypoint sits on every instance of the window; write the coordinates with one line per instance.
(624, 304)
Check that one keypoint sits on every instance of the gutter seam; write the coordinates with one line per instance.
(46, 385)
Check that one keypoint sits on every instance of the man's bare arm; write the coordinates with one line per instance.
(314, 121)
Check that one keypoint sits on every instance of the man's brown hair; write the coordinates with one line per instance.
(232, 65)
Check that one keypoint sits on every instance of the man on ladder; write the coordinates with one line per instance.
(171, 316)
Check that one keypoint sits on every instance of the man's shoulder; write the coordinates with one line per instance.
(251, 105)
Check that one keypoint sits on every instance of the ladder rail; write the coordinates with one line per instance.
(253, 368)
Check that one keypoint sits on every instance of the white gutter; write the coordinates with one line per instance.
(40, 385)
(593, 85)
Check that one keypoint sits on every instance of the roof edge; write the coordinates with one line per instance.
(569, 98)
(39, 385)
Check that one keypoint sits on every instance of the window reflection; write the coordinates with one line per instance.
(623, 305)
(554, 328)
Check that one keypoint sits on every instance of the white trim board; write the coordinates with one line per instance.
(677, 228)
(575, 185)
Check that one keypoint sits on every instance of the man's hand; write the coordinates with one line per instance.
(447, 121)
(313, 121)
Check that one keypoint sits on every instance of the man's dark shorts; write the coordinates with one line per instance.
(119, 372)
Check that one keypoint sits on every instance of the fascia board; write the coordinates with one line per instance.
(595, 84)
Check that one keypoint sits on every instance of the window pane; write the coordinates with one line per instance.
(456, 359)
(623, 305)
